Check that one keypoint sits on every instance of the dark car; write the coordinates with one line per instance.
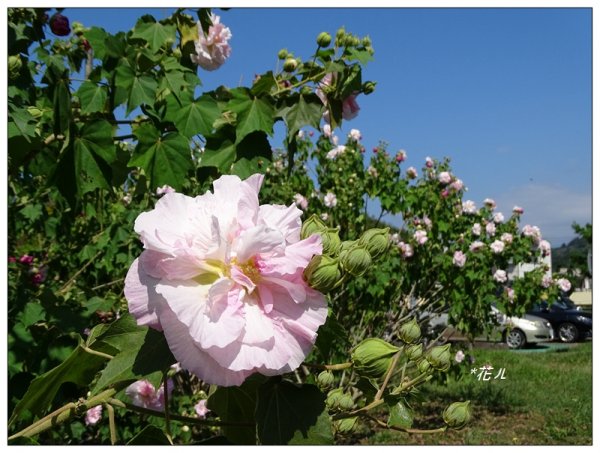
(569, 322)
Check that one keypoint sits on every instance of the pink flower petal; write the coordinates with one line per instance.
(286, 219)
(259, 239)
(141, 296)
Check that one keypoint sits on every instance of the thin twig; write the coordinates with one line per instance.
(72, 279)
(337, 366)
(388, 375)
(119, 280)
(111, 423)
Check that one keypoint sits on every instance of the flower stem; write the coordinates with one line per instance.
(334, 367)
(111, 423)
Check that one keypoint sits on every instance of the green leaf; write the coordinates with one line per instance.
(362, 56)
(165, 159)
(150, 435)
(237, 405)
(264, 84)
(79, 368)
(253, 114)
(92, 97)
(197, 117)
(32, 313)
(32, 212)
(93, 150)
(287, 413)
(154, 33)
(253, 154)
(139, 89)
(222, 158)
(97, 36)
(174, 81)
(62, 106)
(307, 111)
(400, 416)
(143, 353)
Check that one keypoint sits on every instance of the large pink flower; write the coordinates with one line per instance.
(213, 48)
(222, 277)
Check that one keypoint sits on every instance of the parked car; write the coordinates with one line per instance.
(570, 323)
(514, 331)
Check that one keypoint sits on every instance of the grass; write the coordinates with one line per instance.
(546, 399)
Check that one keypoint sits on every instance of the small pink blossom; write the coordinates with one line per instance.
(395, 238)
(518, 210)
(12, 259)
(468, 207)
(350, 107)
(489, 203)
(143, 394)
(498, 217)
(459, 259)
(476, 246)
(400, 156)
(459, 357)
(476, 229)
(406, 250)
(201, 409)
(324, 217)
(420, 236)
(327, 130)
(301, 201)
(330, 200)
(372, 171)
(300, 134)
(507, 238)
(500, 276)
(563, 284)
(411, 173)
(335, 152)
(164, 190)
(355, 135)
(510, 293)
(26, 259)
(427, 222)
(222, 277)
(547, 281)
(213, 48)
(445, 193)
(444, 177)
(545, 247)
(127, 199)
(428, 162)
(490, 229)
(93, 415)
(532, 232)
(457, 185)
(497, 246)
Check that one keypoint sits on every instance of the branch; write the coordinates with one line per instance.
(337, 366)
(72, 279)
(406, 430)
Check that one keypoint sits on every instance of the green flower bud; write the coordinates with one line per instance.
(376, 241)
(77, 28)
(370, 50)
(177, 52)
(345, 402)
(340, 33)
(333, 398)
(410, 332)
(306, 90)
(414, 351)
(14, 66)
(439, 357)
(372, 357)
(323, 273)
(368, 87)
(423, 366)
(345, 425)
(290, 65)
(355, 41)
(282, 54)
(458, 414)
(325, 380)
(356, 261)
(324, 39)
(331, 241)
(366, 41)
(347, 245)
(311, 226)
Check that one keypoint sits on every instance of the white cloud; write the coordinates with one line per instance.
(552, 208)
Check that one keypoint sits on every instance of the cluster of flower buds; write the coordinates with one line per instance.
(37, 271)
(325, 272)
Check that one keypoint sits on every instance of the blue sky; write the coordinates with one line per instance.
(505, 93)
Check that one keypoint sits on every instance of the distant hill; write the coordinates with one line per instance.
(563, 256)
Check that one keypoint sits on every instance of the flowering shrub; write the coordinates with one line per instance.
(248, 313)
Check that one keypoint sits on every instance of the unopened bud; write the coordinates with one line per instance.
(306, 90)
(458, 414)
(59, 25)
(345, 425)
(368, 87)
(323, 273)
(177, 53)
(345, 402)
(14, 66)
(324, 39)
(333, 398)
(325, 380)
(331, 241)
(376, 241)
(311, 226)
(366, 41)
(372, 357)
(290, 64)
(423, 366)
(282, 54)
(355, 41)
(356, 261)
(410, 332)
(414, 351)
(439, 357)
(78, 28)
(340, 33)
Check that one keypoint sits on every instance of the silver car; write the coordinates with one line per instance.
(517, 332)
